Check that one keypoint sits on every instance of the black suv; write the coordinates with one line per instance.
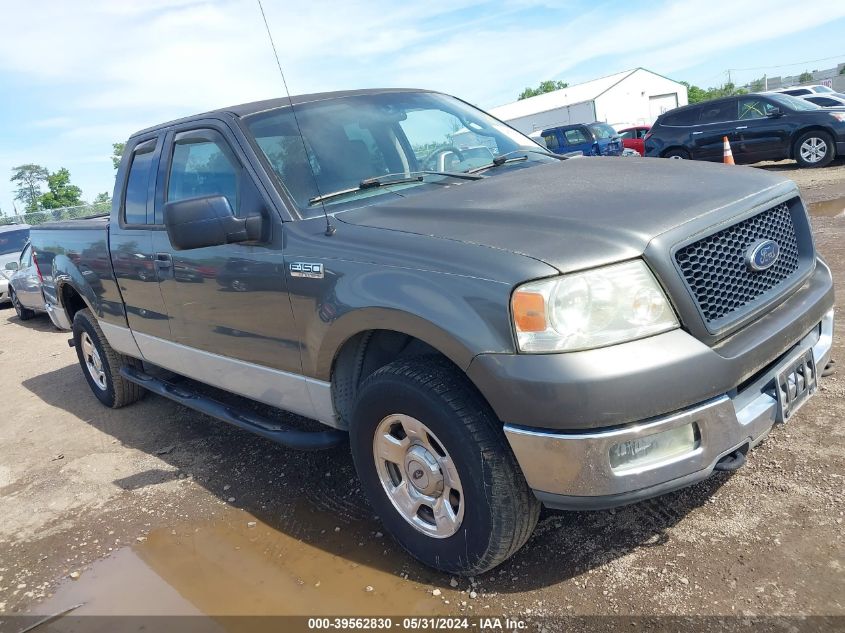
(758, 126)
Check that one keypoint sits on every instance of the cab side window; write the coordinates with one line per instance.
(138, 184)
(719, 112)
(575, 137)
(203, 164)
(550, 138)
(754, 109)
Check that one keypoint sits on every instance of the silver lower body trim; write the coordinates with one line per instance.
(308, 397)
(577, 465)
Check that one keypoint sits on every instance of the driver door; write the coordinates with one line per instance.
(228, 300)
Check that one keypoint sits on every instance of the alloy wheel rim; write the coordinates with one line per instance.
(813, 149)
(418, 475)
(93, 362)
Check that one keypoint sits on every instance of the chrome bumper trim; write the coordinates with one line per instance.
(578, 464)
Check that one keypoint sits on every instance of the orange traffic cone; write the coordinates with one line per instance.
(728, 157)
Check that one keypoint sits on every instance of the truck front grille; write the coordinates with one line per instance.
(716, 272)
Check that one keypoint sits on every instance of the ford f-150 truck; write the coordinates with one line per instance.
(577, 333)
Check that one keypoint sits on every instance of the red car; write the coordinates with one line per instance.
(632, 137)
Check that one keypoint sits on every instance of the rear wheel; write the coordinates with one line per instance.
(814, 149)
(101, 364)
(677, 153)
(24, 314)
(437, 468)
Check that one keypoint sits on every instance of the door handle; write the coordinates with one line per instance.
(696, 133)
(163, 261)
(742, 127)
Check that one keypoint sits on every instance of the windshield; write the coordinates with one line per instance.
(12, 242)
(347, 140)
(602, 130)
(793, 103)
(823, 89)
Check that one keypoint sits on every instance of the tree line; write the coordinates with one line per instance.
(31, 179)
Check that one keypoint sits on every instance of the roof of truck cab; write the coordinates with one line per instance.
(245, 109)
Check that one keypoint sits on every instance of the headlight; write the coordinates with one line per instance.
(599, 307)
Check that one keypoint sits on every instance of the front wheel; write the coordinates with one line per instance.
(814, 149)
(437, 469)
(101, 364)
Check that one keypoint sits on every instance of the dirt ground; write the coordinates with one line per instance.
(155, 509)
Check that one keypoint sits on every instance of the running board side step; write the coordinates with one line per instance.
(247, 420)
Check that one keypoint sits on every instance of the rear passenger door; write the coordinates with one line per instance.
(130, 244)
(228, 300)
(578, 139)
(26, 284)
(716, 121)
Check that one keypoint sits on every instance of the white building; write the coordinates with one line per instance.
(632, 97)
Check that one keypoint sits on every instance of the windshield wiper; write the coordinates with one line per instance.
(502, 159)
(387, 180)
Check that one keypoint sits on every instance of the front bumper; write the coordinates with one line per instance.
(4, 290)
(573, 470)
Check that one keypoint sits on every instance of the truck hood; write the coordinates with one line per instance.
(577, 213)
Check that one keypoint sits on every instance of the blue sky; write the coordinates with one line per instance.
(77, 76)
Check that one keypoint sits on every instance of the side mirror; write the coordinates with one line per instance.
(207, 221)
(775, 113)
(12, 266)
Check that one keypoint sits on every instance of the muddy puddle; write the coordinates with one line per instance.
(829, 208)
(237, 565)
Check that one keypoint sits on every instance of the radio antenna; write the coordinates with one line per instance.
(330, 228)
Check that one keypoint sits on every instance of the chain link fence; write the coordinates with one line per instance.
(64, 213)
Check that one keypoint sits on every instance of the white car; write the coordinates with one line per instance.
(804, 91)
(13, 238)
(832, 100)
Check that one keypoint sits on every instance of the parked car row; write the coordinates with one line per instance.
(764, 126)
(806, 124)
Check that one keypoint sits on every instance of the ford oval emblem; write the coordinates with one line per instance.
(762, 255)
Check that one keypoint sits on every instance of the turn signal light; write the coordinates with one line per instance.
(529, 311)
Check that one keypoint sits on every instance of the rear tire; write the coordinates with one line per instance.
(677, 153)
(101, 364)
(454, 442)
(24, 314)
(814, 149)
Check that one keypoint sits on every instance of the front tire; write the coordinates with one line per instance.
(814, 149)
(101, 364)
(437, 469)
(24, 314)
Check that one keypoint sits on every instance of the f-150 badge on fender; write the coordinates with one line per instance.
(305, 269)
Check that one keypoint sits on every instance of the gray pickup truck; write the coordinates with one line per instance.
(518, 330)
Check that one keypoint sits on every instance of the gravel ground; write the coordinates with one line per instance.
(187, 515)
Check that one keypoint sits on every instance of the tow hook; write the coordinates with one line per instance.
(732, 461)
(829, 369)
(71, 342)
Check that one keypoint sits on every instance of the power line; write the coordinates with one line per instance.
(811, 61)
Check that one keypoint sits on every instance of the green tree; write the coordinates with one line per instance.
(61, 193)
(117, 153)
(805, 77)
(543, 88)
(696, 94)
(28, 179)
(102, 198)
